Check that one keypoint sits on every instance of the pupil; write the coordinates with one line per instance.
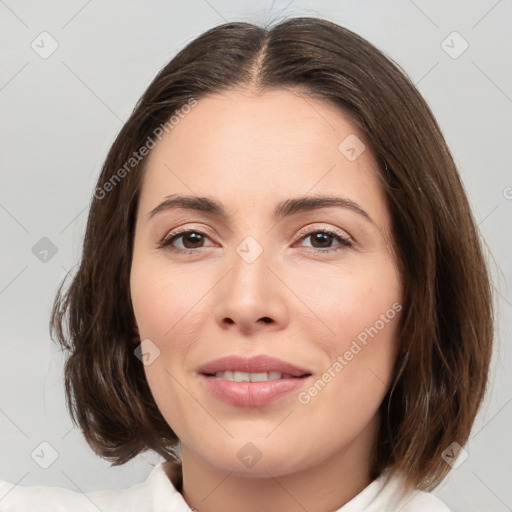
(194, 238)
(322, 238)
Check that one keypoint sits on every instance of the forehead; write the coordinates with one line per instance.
(278, 123)
(249, 149)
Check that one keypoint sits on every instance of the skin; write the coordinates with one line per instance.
(250, 152)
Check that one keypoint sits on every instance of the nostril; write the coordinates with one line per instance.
(266, 319)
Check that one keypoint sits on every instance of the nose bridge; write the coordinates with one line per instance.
(252, 250)
(250, 296)
(249, 276)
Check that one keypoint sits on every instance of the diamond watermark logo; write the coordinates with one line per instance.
(44, 45)
(249, 249)
(147, 352)
(351, 147)
(249, 455)
(44, 455)
(454, 45)
(455, 455)
(44, 250)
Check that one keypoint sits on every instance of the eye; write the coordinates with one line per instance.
(321, 240)
(191, 240)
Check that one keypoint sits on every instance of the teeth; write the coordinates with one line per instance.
(241, 377)
(258, 377)
(251, 377)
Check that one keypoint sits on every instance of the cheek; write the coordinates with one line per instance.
(162, 300)
(362, 311)
(351, 303)
(345, 398)
(167, 312)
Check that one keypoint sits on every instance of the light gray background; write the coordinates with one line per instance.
(59, 116)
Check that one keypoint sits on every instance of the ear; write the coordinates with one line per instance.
(136, 335)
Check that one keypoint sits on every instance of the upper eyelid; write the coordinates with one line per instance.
(302, 233)
(180, 231)
(337, 231)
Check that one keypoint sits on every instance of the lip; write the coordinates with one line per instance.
(252, 394)
(252, 364)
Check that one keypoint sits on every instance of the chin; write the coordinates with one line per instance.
(260, 458)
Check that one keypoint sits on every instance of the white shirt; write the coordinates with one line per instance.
(158, 494)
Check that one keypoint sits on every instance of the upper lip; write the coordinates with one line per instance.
(253, 364)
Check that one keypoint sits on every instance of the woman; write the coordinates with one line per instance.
(209, 322)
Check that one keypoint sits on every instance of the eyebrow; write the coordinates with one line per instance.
(284, 209)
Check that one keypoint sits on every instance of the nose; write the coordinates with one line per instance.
(251, 297)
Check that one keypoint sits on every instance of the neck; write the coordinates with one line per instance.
(323, 487)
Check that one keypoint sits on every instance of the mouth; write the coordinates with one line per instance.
(261, 366)
(253, 381)
(241, 376)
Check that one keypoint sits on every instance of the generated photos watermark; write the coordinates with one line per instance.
(149, 144)
(357, 345)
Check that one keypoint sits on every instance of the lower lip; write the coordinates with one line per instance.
(252, 394)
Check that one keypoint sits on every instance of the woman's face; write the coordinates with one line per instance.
(258, 281)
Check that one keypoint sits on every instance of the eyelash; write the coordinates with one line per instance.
(165, 244)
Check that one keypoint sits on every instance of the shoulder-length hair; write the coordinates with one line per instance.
(446, 330)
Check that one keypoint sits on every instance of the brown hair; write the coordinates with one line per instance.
(447, 326)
